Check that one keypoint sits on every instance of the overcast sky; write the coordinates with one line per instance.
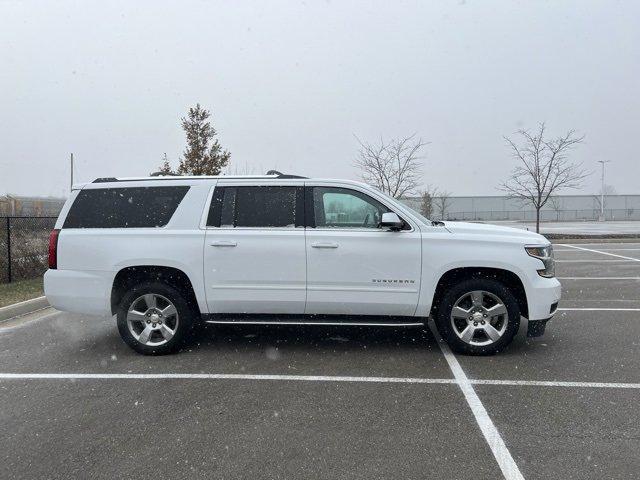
(290, 84)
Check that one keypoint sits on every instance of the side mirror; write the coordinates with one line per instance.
(391, 221)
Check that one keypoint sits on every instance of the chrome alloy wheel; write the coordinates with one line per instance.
(152, 319)
(479, 318)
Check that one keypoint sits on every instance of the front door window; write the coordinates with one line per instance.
(343, 208)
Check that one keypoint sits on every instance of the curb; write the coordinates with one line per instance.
(592, 239)
(22, 308)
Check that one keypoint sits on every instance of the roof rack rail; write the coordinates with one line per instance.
(105, 180)
(283, 175)
(155, 176)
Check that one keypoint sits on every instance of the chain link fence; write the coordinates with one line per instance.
(24, 243)
(575, 215)
(561, 208)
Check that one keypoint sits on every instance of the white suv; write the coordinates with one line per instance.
(164, 253)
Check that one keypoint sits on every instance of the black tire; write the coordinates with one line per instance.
(184, 321)
(454, 293)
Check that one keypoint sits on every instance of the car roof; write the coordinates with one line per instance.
(106, 182)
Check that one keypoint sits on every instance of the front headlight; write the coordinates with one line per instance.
(545, 254)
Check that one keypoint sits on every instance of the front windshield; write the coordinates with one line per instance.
(403, 204)
(417, 214)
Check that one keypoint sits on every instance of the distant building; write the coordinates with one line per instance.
(558, 208)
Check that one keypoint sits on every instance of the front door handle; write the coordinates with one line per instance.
(224, 243)
(324, 245)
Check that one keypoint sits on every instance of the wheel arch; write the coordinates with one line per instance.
(130, 276)
(510, 279)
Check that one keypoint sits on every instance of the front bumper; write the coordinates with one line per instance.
(543, 298)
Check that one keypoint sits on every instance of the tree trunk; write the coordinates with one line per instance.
(537, 220)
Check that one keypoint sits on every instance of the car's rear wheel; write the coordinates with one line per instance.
(478, 316)
(154, 318)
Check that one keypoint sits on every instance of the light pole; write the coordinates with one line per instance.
(71, 187)
(602, 162)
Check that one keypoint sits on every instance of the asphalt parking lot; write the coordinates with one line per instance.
(325, 402)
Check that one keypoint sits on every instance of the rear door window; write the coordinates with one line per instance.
(257, 207)
(128, 207)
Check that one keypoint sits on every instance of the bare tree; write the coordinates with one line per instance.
(600, 200)
(245, 169)
(427, 196)
(543, 167)
(442, 203)
(557, 205)
(393, 167)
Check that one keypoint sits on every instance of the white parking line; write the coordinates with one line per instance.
(598, 278)
(603, 253)
(310, 378)
(500, 451)
(543, 383)
(604, 309)
(625, 242)
(218, 376)
(619, 249)
(607, 245)
(597, 261)
(600, 249)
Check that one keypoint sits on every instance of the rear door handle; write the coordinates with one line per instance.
(224, 243)
(324, 245)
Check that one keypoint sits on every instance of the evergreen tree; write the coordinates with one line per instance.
(165, 168)
(204, 154)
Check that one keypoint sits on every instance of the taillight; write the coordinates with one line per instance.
(53, 249)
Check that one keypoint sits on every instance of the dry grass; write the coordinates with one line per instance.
(19, 291)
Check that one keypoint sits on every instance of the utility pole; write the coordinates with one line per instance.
(71, 186)
(602, 162)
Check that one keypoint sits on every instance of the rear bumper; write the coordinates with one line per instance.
(543, 298)
(79, 292)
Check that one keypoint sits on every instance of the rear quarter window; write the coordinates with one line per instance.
(129, 207)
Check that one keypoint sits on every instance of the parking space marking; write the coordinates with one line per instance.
(597, 261)
(507, 464)
(219, 376)
(311, 378)
(600, 249)
(545, 383)
(607, 244)
(597, 309)
(604, 253)
(598, 278)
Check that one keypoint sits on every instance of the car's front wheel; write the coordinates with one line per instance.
(478, 316)
(154, 318)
